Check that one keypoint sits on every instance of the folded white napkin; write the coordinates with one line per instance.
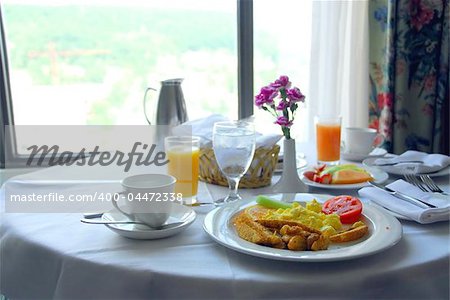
(427, 163)
(204, 129)
(267, 140)
(411, 211)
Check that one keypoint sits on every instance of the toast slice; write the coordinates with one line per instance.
(248, 229)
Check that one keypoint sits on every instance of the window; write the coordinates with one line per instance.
(90, 62)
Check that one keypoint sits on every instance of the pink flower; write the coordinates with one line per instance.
(282, 105)
(374, 124)
(284, 108)
(430, 82)
(420, 14)
(265, 96)
(283, 121)
(385, 123)
(400, 67)
(428, 109)
(295, 95)
(260, 100)
(283, 81)
(385, 99)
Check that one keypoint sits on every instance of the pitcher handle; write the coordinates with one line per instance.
(145, 104)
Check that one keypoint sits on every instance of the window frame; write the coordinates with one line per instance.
(6, 115)
(244, 37)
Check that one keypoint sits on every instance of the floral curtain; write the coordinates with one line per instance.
(409, 74)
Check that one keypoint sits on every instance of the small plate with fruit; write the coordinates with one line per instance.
(348, 176)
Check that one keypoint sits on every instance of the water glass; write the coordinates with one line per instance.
(234, 147)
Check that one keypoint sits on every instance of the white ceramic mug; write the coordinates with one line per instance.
(362, 140)
(148, 198)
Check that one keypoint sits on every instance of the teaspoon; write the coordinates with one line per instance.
(165, 226)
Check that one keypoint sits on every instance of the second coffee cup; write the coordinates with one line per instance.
(361, 140)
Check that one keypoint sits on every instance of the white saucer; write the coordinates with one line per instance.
(377, 152)
(180, 213)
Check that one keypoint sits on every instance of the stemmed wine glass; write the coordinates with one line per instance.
(234, 146)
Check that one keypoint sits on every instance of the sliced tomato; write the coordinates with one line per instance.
(325, 179)
(309, 175)
(347, 207)
(320, 168)
(316, 175)
(317, 178)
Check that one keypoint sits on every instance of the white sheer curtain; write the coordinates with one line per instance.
(339, 72)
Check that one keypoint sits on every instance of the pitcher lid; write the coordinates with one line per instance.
(173, 81)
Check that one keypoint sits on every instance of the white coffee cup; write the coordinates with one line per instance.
(148, 198)
(361, 140)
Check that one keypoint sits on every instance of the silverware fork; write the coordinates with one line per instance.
(415, 181)
(431, 185)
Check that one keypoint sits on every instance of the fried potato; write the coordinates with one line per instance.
(300, 239)
(311, 239)
(352, 234)
(278, 224)
(321, 244)
(297, 243)
(281, 245)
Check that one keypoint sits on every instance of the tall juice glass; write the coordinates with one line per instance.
(328, 139)
(183, 155)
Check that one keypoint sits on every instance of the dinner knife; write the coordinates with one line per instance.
(400, 195)
(399, 162)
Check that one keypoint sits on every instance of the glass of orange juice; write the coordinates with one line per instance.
(183, 155)
(328, 139)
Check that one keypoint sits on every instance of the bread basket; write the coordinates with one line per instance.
(258, 175)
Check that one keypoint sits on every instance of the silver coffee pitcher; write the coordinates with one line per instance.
(171, 107)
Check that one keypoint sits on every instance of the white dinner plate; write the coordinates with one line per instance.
(384, 232)
(379, 176)
(180, 213)
(369, 162)
(377, 152)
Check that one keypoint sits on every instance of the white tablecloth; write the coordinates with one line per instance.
(47, 256)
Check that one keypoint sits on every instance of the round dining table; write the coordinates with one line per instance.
(55, 256)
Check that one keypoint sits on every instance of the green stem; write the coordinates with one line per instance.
(286, 132)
